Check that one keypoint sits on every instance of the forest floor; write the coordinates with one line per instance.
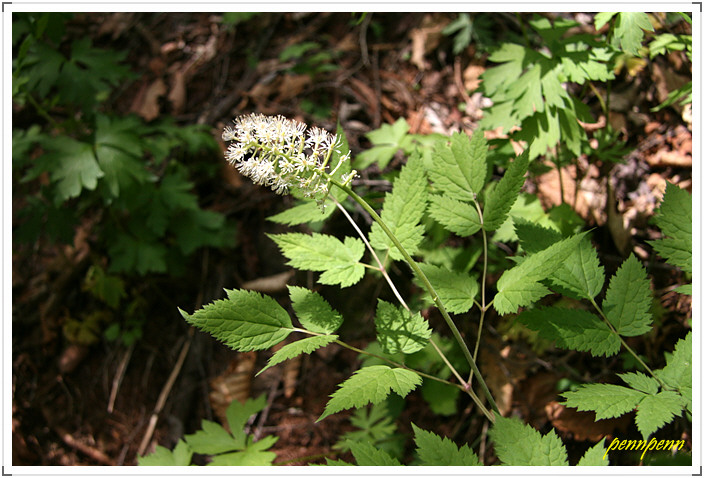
(79, 405)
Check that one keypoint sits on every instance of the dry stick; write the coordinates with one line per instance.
(165, 393)
(383, 271)
(93, 453)
(431, 290)
(119, 375)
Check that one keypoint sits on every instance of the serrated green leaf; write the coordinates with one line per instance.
(574, 329)
(441, 398)
(528, 207)
(459, 217)
(534, 237)
(678, 371)
(245, 321)
(455, 289)
(641, 382)
(520, 285)
(367, 455)
(386, 141)
(500, 199)
(607, 400)
(212, 439)
(238, 414)
(128, 253)
(674, 218)
(303, 346)
(313, 312)
(371, 385)
(338, 261)
(519, 444)
(397, 330)
(627, 303)
(595, 456)
(403, 210)
(580, 275)
(302, 213)
(654, 411)
(254, 454)
(459, 169)
(435, 451)
(180, 456)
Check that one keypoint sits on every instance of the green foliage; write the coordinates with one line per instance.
(233, 448)
(403, 211)
(371, 385)
(313, 312)
(435, 451)
(459, 168)
(245, 321)
(628, 29)
(303, 346)
(674, 218)
(457, 290)
(375, 425)
(516, 443)
(397, 330)
(521, 285)
(338, 261)
(657, 400)
(500, 199)
(627, 302)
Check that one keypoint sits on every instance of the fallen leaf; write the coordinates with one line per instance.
(470, 77)
(235, 383)
(583, 426)
(149, 106)
(177, 95)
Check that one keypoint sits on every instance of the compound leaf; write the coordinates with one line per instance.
(313, 312)
(641, 382)
(371, 384)
(403, 210)
(520, 285)
(180, 456)
(244, 321)
(386, 141)
(435, 451)
(303, 212)
(519, 444)
(627, 303)
(303, 346)
(367, 455)
(574, 329)
(72, 166)
(580, 275)
(459, 169)
(500, 199)
(654, 411)
(674, 218)
(457, 216)
(397, 330)
(678, 371)
(628, 31)
(607, 400)
(338, 261)
(595, 456)
(455, 289)
(254, 454)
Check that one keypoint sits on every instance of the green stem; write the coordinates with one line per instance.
(382, 269)
(625, 345)
(431, 290)
(483, 308)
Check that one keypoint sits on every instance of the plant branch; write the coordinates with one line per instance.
(431, 290)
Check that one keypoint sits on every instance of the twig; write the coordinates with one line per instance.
(164, 394)
(93, 453)
(119, 375)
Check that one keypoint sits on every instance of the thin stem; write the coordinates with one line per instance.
(383, 271)
(625, 345)
(483, 307)
(431, 290)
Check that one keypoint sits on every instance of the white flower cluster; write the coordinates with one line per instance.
(276, 152)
